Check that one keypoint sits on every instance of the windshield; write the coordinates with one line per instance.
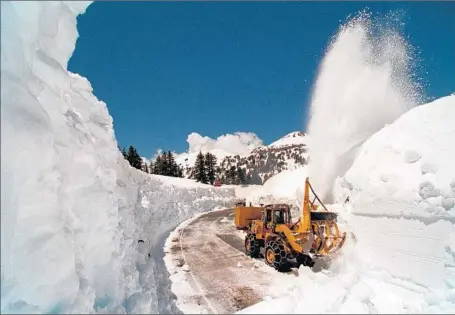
(280, 217)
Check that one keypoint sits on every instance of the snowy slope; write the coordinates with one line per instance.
(72, 208)
(402, 212)
(293, 138)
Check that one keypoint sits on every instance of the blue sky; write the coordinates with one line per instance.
(168, 69)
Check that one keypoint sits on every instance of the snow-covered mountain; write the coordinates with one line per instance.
(239, 143)
(260, 162)
(293, 138)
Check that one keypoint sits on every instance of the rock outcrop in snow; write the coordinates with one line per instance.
(72, 210)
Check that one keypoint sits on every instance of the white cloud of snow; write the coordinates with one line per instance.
(72, 208)
(365, 81)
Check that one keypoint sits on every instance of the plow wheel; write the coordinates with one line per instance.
(252, 246)
(275, 255)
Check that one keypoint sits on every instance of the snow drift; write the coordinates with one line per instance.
(365, 81)
(72, 210)
(408, 198)
(285, 187)
(402, 212)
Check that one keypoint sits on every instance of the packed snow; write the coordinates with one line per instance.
(80, 229)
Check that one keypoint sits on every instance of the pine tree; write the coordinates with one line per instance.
(249, 178)
(124, 153)
(179, 172)
(134, 158)
(164, 164)
(157, 166)
(151, 167)
(231, 175)
(145, 167)
(241, 178)
(173, 167)
(200, 171)
(210, 165)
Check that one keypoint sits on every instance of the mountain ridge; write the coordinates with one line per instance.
(262, 162)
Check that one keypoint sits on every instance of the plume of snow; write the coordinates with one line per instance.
(365, 81)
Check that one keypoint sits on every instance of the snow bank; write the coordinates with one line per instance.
(245, 191)
(401, 210)
(408, 198)
(73, 210)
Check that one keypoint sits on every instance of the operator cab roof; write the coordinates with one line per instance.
(279, 206)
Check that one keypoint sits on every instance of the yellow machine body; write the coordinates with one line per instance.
(245, 215)
(270, 230)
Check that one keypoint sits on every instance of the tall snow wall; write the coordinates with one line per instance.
(72, 209)
(402, 190)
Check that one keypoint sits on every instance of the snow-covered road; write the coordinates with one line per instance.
(209, 270)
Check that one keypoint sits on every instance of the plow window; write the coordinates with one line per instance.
(280, 217)
(268, 216)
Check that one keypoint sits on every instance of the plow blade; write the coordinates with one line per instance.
(329, 240)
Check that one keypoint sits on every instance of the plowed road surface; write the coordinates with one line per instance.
(210, 254)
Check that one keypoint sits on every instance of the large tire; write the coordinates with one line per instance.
(275, 255)
(305, 260)
(252, 246)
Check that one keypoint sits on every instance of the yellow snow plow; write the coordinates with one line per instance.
(271, 233)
